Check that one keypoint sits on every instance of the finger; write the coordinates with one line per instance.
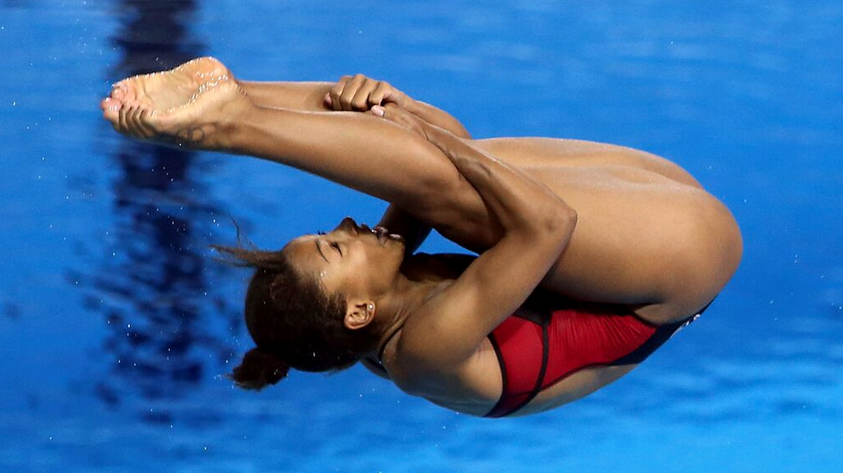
(395, 96)
(361, 98)
(392, 113)
(392, 110)
(336, 91)
(377, 95)
(348, 92)
(360, 102)
(404, 118)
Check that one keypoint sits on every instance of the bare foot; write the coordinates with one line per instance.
(185, 107)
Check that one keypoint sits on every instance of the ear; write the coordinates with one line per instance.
(359, 314)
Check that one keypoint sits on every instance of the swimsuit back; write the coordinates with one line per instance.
(538, 346)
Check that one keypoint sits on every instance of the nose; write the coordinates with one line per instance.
(349, 224)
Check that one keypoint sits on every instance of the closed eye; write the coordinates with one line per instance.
(337, 247)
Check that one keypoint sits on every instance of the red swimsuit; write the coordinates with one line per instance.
(539, 346)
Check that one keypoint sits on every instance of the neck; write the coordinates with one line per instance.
(407, 297)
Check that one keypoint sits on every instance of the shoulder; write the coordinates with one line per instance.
(411, 372)
(412, 358)
(475, 380)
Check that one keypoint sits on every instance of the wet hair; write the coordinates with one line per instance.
(293, 322)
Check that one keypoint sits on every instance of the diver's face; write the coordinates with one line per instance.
(352, 259)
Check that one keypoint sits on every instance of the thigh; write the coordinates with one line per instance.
(636, 231)
(548, 152)
(634, 227)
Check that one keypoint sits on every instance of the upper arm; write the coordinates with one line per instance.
(449, 328)
(397, 220)
(439, 117)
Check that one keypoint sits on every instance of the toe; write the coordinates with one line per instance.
(110, 109)
(131, 95)
(132, 122)
(118, 91)
(120, 124)
(145, 124)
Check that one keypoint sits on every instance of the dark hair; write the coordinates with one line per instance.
(294, 323)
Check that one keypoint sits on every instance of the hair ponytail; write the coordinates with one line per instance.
(259, 369)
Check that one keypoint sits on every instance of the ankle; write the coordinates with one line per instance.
(231, 123)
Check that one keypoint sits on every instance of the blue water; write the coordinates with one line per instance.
(115, 326)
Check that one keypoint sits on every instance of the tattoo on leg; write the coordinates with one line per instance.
(190, 137)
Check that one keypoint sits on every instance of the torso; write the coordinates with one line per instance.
(624, 198)
(477, 387)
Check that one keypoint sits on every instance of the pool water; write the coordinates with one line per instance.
(115, 325)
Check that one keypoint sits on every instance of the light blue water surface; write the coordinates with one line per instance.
(115, 326)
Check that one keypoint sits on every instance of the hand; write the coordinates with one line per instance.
(402, 117)
(443, 139)
(361, 93)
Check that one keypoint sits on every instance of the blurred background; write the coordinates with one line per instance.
(115, 325)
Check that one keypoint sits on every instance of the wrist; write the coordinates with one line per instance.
(411, 105)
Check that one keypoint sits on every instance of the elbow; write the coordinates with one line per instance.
(548, 222)
(555, 227)
(560, 221)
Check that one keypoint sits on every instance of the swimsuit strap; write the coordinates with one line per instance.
(385, 343)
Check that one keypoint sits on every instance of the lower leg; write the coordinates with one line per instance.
(300, 96)
(207, 109)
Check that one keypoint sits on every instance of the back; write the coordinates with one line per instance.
(550, 352)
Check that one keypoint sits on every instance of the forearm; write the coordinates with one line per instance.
(414, 231)
(516, 201)
(438, 117)
(301, 96)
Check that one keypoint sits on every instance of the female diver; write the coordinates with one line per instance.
(590, 255)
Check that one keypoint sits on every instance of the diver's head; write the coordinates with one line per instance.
(354, 260)
(312, 306)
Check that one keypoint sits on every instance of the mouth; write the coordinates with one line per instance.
(384, 235)
(381, 233)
